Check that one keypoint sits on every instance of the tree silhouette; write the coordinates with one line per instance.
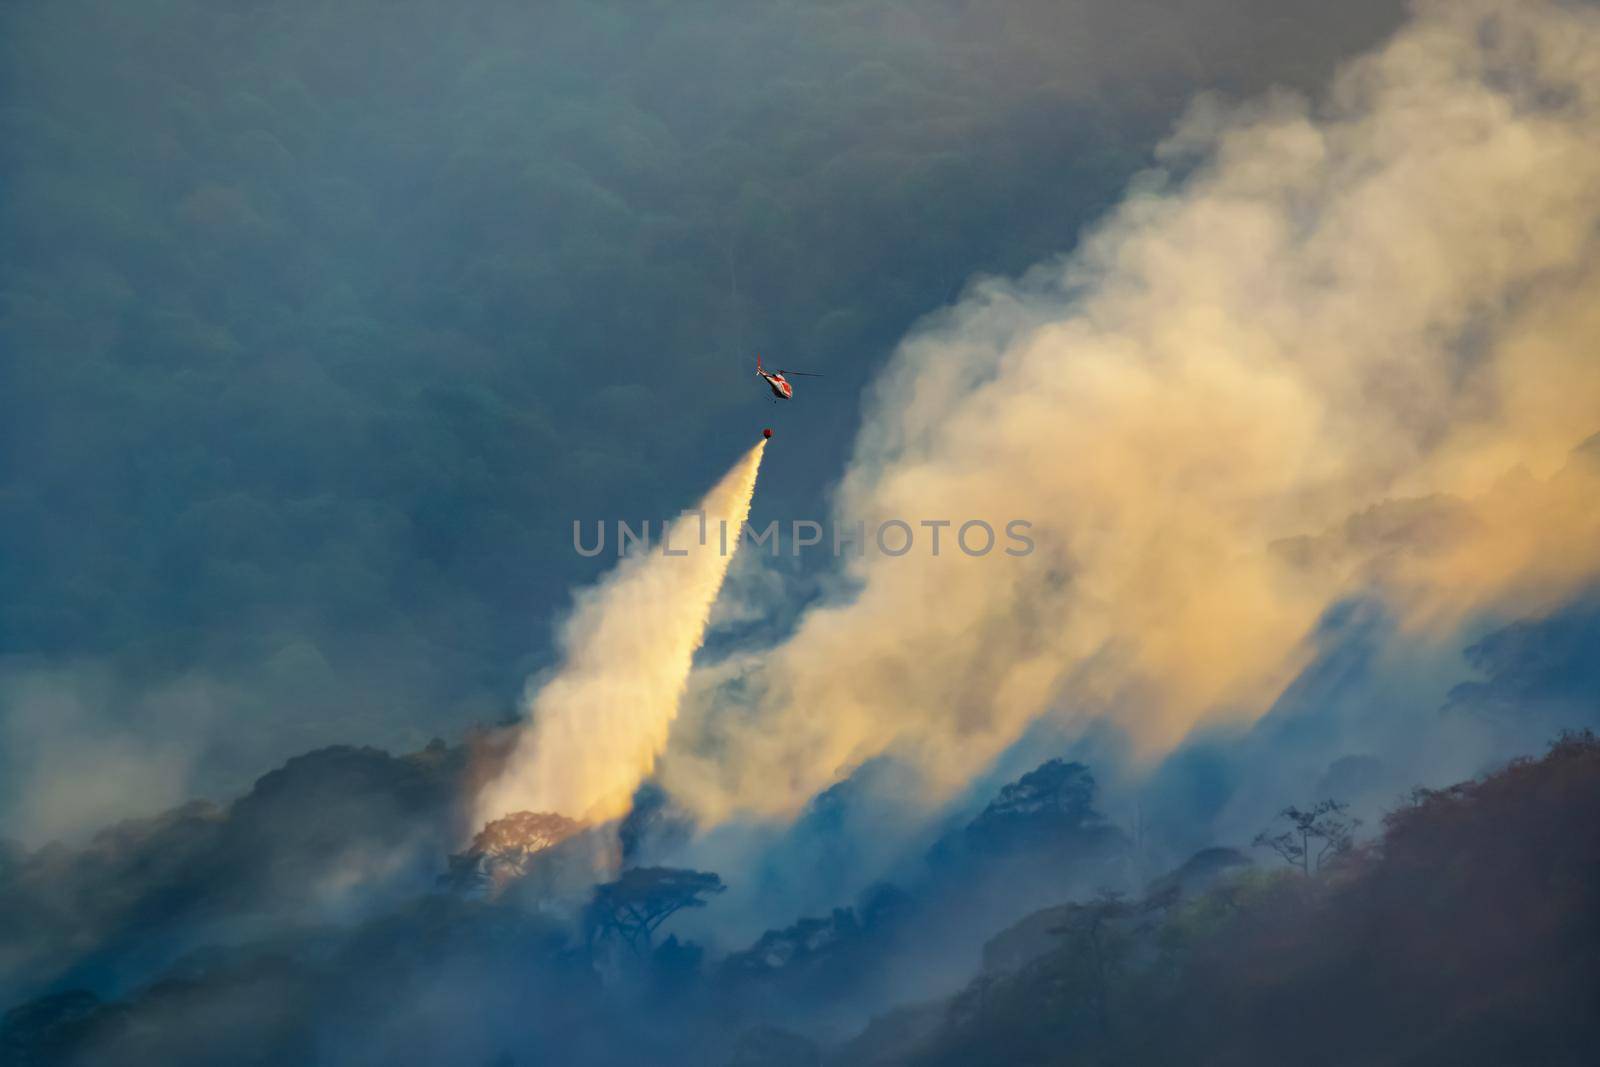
(633, 906)
(1313, 834)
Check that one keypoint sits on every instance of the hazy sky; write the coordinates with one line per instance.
(318, 325)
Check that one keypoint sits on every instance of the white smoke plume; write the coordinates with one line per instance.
(597, 725)
(1354, 349)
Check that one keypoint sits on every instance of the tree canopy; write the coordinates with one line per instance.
(636, 904)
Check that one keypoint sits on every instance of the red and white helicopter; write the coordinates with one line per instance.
(782, 388)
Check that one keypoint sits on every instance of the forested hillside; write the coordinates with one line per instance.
(1467, 933)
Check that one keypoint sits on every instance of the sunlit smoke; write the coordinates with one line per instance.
(597, 725)
(1352, 351)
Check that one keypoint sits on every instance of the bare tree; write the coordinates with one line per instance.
(1313, 835)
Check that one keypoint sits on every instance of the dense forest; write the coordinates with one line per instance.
(1465, 932)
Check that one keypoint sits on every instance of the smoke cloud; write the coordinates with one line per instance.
(71, 764)
(1333, 349)
(597, 725)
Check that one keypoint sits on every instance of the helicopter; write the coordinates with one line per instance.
(782, 388)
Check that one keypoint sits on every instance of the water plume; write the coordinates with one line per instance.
(596, 726)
